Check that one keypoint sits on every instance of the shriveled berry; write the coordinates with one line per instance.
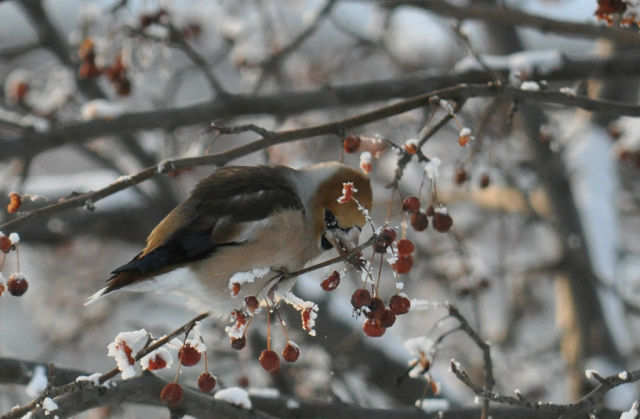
(461, 176)
(332, 282)
(405, 247)
(373, 328)
(172, 394)
(399, 304)
(206, 382)
(485, 180)
(351, 143)
(291, 352)
(411, 204)
(17, 285)
(387, 319)
(442, 222)
(188, 355)
(269, 361)
(419, 221)
(14, 202)
(403, 264)
(360, 298)
(251, 303)
(238, 343)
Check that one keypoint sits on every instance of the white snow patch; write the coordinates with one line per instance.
(161, 352)
(433, 405)
(267, 393)
(234, 395)
(431, 168)
(124, 348)
(93, 378)
(623, 375)
(531, 86)
(631, 413)
(101, 109)
(38, 382)
(14, 238)
(49, 405)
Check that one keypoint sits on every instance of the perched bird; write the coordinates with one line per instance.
(260, 220)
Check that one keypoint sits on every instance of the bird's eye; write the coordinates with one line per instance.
(330, 221)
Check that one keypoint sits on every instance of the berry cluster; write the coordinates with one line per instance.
(440, 218)
(116, 73)
(379, 317)
(17, 283)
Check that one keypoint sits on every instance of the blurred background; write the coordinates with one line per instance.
(542, 258)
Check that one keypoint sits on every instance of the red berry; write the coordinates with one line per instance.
(331, 282)
(206, 382)
(14, 202)
(17, 285)
(442, 222)
(372, 328)
(238, 343)
(157, 363)
(5, 244)
(252, 303)
(411, 204)
(188, 355)
(403, 264)
(172, 394)
(399, 304)
(361, 297)
(387, 319)
(269, 361)
(419, 221)
(405, 247)
(351, 143)
(291, 352)
(389, 235)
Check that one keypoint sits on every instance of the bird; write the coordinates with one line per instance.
(252, 223)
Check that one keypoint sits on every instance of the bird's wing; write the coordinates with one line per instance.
(225, 209)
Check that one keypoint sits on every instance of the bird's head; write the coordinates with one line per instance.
(329, 215)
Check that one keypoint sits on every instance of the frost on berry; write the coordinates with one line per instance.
(332, 282)
(291, 352)
(269, 360)
(17, 284)
(235, 289)
(373, 328)
(14, 203)
(384, 240)
(351, 143)
(237, 330)
(399, 304)
(366, 162)
(252, 303)
(464, 137)
(308, 311)
(411, 204)
(347, 192)
(411, 146)
(206, 382)
(188, 355)
(123, 349)
(172, 394)
(419, 221)
(360, 298)
(423, 349)
(156, 360)
(442, 221)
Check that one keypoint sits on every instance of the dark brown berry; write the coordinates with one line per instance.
(172, 394)
(5, 244)
(206, 382)
(411, 204)
(442, 222)
(387, 319)
(376, 308)
(291, 352)
(251, 303)
(399, 304)
(403, 264)
(373, 328)
(405, 247)
(188, 355)
(430, 211)
(332, 282)
(389, 235)
(269, 361)
(17, 285)
(485, 180)
(380, 245)
(14, 202)
(461, 176)
(419, 221)
(351, 143)
(360, 298)
(238, 343)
